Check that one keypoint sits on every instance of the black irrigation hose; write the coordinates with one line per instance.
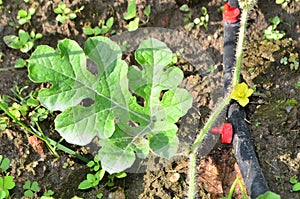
(243, 148)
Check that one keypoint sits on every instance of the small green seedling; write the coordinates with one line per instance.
(31, 189)
(3, 122)
(131, 15)
(112, 177)
(131, 10)
(147, 12)
(25, 106)
(204, 19)
(271, 33)
(48, 194)
(97, 173)
(102, 28)
(292, 60)
(6, 181)
(232, 188)
(24, 41)
(64, 13)
(297, 85)
(187, 14)
(93, 179)
(296, 183)
(20, 63)
(25, 16)
(201, 21)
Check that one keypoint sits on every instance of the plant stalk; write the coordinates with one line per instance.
(197, 143)
(241, 40)
(223, 104)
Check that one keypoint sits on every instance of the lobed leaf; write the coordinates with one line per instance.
(132, 110)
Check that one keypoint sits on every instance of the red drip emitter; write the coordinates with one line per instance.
(230, 14)
(226, 132)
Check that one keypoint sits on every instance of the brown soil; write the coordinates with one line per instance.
(274, 123)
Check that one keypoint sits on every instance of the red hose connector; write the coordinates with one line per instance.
(226, 132)
(230, 14)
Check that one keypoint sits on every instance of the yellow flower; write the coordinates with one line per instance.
(240, 93)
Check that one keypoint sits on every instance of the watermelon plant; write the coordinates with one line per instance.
(132, 110)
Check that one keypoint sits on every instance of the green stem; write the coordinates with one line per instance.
(233, 186)
(44, 138)
(241, 41)
(192, 176)
(197, 143)
(41, 133)
(222, 105)
(208, 124)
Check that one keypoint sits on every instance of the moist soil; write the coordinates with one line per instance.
(272, 114)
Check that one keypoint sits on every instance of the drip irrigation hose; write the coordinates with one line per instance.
(243, 148)
(245, 155)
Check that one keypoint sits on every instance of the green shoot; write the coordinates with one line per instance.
(48, 193)
(131, 10)
(31, 189)
(97, 173)
(64, 13)
(6, 181)
(200, 21)
(25, 16)
(24, 41)
(147, 11)
(296, 183)
(271, 33)
(130, 16)
(102, 28)
(292, 60)
(232, 188)
(20, 63)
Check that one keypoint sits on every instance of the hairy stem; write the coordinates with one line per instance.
(236, 78)
(196, 145)
(241, 40)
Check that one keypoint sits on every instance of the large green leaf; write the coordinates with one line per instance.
(132, 109)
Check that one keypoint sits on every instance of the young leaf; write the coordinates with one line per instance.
(121, 175)
(8, 182)
(27, 185)
(131, 10)
(133, 25)
(110, 22)
(35, 186)
(147, 11)
(4, 164)
(296, 187)
(28, 193)
(20, 63)
(115, 115)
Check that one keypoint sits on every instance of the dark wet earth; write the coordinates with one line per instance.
(273, 113)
